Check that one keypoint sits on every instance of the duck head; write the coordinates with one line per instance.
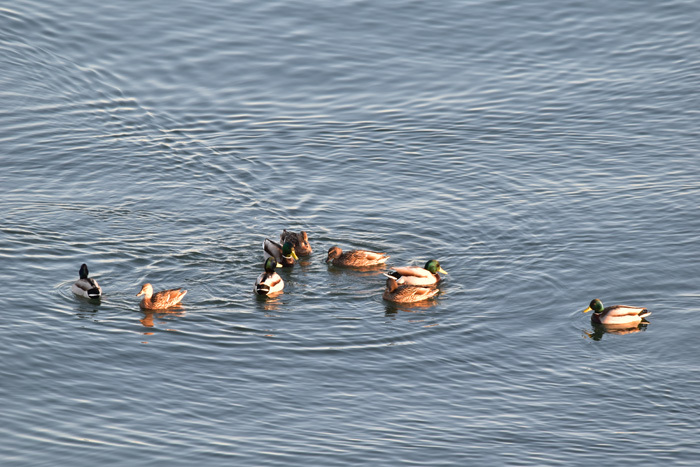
(333, 253)
(271, 264)
(596, 305)
(146, 290)
(288, 250)
(434, 266)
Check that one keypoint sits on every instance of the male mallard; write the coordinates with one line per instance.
(160, 300)
(414, 275)
(300, 242)
(616, 314)
(269, 282)
(86, 287)
(407, 293)
(355, 258)
(283, 254)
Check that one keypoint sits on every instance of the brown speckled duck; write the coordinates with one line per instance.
(407, 293)
(355, 258)
(160, 300)
(300, 242)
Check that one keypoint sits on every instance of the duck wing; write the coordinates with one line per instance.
(286, 236)
(410, 293)
(268, 283)
(87, 287)
(272, 249)
(413, 271)
(625, 310)
(621, 314)
(370, 256)
(166, 298)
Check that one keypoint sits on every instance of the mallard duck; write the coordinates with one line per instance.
(616, 314)
(415, 275)
(407, 293)
(160, 300)
(300, 242)
(269, 282)
(355, 258)
(85, 286)
(283, 254)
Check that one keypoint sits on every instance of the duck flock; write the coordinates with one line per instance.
(407, 284)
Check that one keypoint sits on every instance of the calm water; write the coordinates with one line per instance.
(545, 152)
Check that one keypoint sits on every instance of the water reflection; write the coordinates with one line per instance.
(268, 303)
(150, 317)
(86, 308)
(391, 308)
(366, 271)
(600, 329)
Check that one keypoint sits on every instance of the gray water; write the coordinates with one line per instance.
(545, 152)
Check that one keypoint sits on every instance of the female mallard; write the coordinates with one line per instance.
(269, 282)
(355, 258)
(616, 314)
(300, 242)
(407, 293)
(160, 300)
(283, 254)
(86, 287)
(414, 275)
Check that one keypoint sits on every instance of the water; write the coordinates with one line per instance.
(545, 152)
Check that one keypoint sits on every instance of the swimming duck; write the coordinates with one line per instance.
(300, 242)
(85, 286)
(283, 254)
(269, 282)
(407, 293)
(355, 258)
(415, 275)
(616, 314)
(160, 300)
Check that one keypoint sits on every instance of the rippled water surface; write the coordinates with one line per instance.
(545, 152)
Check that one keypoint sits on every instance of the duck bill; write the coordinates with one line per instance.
(140, 293)
(294, 255)
(440, 270)
(587, 310)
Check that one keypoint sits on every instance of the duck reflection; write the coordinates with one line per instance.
(391, 308)
(364, 271)
(150, 317)
(268, 303)
(600, 329)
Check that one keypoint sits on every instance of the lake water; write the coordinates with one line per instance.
(545, 152)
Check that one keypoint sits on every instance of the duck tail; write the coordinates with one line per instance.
(94, 293)
(396, 276)
(262, 289)
(644, 313)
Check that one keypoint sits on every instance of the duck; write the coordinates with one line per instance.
(415, 275)
(407, 293)
(85, 286)
(300, 241)
(284, 254)
(269, 282)
(355, 258)
(160, 300)
(616, 314)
